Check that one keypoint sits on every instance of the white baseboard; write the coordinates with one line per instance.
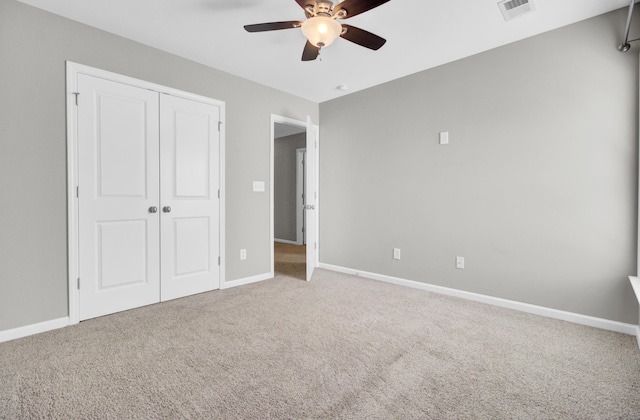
(15, 333)
(604, 324)
(246, 280)
(286, 241)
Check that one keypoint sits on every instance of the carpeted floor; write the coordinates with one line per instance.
(335, 347)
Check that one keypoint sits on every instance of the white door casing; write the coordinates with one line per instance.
(189, 140)
(118, 181)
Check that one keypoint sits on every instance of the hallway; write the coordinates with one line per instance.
(290, 260)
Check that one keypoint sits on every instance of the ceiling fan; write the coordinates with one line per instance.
(322, 28)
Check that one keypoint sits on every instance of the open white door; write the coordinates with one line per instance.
(310, 198)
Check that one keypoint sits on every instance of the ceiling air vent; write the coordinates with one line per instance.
(514, 8)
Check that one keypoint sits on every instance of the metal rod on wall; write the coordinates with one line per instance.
(625, 46)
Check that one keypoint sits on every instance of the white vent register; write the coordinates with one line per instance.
(513, 8)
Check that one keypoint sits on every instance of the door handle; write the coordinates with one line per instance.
(166, 209)
(153, 209)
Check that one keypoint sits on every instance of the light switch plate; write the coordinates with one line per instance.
(258, 186)
(444, 137)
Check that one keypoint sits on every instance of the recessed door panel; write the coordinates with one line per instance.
(118, 174)
(189, 144)
(122, 253)
(193, 253)
(121, 136)
(191, 160)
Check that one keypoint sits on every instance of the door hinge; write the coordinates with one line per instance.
(78, 283)
(219, 125)
(218, 193)
(315, 245)
(77, 192)
(76, 94)
(218, 260)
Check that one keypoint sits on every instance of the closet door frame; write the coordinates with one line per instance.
(72, 72)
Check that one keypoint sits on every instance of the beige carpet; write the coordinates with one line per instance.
(335, 347)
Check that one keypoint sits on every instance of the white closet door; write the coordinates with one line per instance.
(118, 156)
(189, 142)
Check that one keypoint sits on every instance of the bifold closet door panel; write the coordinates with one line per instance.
(189, 167)
(118, 173)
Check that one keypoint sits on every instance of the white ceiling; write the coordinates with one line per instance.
(420, 35)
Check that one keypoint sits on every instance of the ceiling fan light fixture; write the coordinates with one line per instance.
(321, 31)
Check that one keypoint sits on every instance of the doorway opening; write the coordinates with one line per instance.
(295, 210)
(289, 245)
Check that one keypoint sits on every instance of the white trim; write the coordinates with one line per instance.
(72, 201)
(317, 212)
(73, 70)
(286, 241)
(604, 324)
(247, 280)
(222, 204)
(635, 284)
(32, 329)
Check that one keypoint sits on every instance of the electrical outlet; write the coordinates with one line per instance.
(396, 253)
(243, 254)
(460, 262)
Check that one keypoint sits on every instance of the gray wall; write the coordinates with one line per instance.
(537, 188)
(33, 231)
(284, 189)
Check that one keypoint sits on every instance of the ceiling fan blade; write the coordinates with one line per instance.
(272, 26)
(305, 3)
(310, 52)
(362, 37)
(355, 7)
